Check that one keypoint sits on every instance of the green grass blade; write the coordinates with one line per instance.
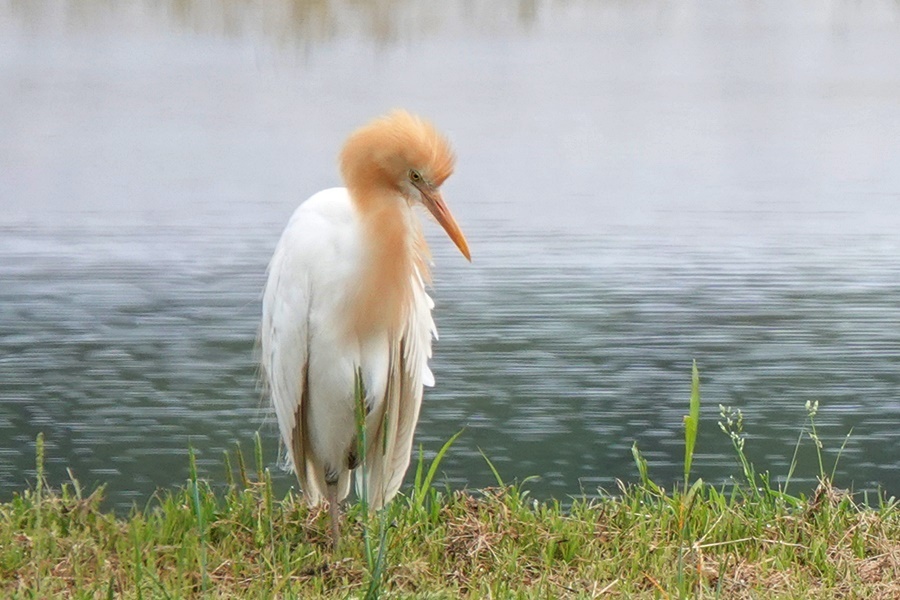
(691, 423)
(793, 465)
(229, 474)
(492, 468)
(644, 470)
(420, 468)
(258, 454)
(840, 453)
(419, 494)
(201, 524)
(242, 466)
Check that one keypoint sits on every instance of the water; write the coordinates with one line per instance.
(641, 184)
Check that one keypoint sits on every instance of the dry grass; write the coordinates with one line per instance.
(697, 541)
(492, 543)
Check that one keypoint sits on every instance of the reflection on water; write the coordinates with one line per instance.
(287, 23)
(641, 184)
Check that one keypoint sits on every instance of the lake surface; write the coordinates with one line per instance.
(642, 184)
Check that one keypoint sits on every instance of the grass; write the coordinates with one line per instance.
(744, 540)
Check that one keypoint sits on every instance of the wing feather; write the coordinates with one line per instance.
(391, 448)
(316, 238)
(284, 341)
(316, 252)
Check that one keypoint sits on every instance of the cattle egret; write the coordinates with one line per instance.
(345, 301)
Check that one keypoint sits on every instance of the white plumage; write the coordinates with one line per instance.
(346, 294)
(306, 356)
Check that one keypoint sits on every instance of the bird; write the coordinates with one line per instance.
(346, 314)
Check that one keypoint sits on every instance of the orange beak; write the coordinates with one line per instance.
(435, 204)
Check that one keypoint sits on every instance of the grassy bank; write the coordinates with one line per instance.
(741, 541)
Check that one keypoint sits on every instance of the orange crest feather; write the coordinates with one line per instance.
(389, 146)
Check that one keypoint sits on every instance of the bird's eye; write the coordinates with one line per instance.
(414, 175)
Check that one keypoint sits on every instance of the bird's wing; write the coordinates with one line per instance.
(284, 345)
(390, 449)
(304, 251)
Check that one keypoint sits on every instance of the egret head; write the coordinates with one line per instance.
(406, 156)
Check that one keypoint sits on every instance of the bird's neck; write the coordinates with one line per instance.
(394, 250)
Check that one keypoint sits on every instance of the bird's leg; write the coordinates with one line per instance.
(334, 511)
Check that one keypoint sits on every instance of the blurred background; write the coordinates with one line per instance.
(642, 183)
